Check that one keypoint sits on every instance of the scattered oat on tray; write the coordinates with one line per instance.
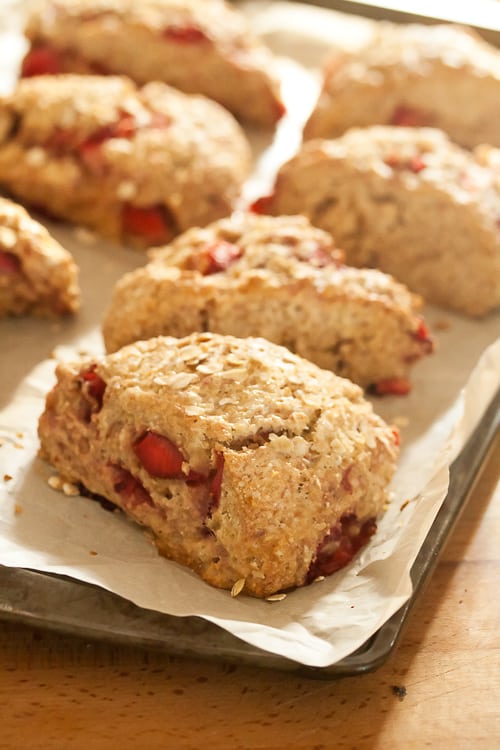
(251, 465)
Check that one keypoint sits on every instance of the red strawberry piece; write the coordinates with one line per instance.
(185, 34)
(422, 332)
(409, 117)
(262, 205)
(340, 545)
(392, 387)
(151, 223)
(416, 164)
(9, 263)
(280, 110)
(94, 384)
(133, 493)
(217, 257)
(397, 436)
(162, 458)
(41, 61)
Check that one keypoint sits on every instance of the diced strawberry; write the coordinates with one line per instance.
(162, 458)
(9, 263)
(262, 205)
(397, 436)
(217, 256)
(280, 110)
(422, 332)
(185, 34)
(133, 493)
(392, 387)
(340, 545)
(409, 117)
(148, 222)
(416, 164)
(94, 384)
(41, 61)
(159, 456)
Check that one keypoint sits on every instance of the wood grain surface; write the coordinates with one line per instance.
(440, 689)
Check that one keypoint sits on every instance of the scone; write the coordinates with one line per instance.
(138, 165)
(279, 278)
(37, 275)
(407, 201)
(440, 76)
(198, 47)
(251, 465)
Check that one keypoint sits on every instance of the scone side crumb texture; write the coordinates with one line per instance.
(200, 48)
(37, 275)
(246, 461)
(407, 201)
(137, 164)
(279, 278)
(443, 76)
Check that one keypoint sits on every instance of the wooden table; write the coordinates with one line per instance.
(440, 689)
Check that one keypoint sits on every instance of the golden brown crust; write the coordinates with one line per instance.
(407, 201)
(37, 275)
(440, 76)
(279, 278)
(198, 47)
(94, 150)
(274, 453)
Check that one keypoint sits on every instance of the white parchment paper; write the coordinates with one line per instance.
(48, 531)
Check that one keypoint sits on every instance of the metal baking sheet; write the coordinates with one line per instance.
(77, 608)
(482, 15)
(73, 607)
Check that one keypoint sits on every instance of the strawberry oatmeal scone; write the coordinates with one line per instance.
(37, 275)
(252, 466)
(282, 279)
(198, 47)
(138, 165)
(407, 201)
(440, 76)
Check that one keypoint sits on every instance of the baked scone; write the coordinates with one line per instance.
(136, 164)
(282, 279)
(407, 201)
(37, 275)
(250, 465)
(198, 47)
(440, 76)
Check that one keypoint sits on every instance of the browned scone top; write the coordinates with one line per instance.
(407, 201)
(441, 76)
(136, 164)
(250, 465)
(37, 275)
(282, 279)
(200, 47)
